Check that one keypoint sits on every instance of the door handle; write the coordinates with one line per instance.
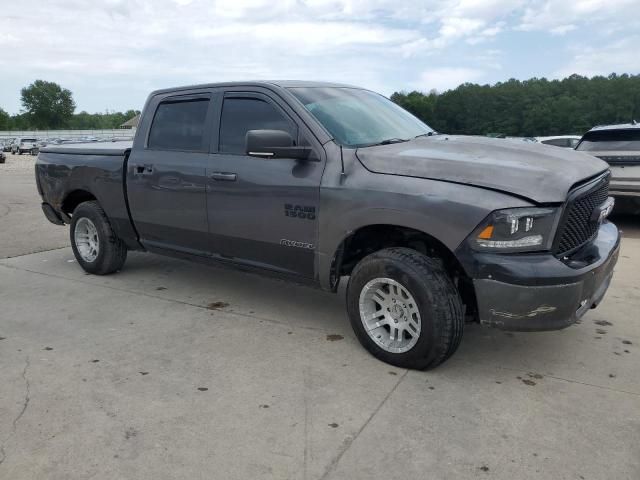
(224, 176)
(146, 169)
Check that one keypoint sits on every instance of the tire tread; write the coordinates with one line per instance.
(115, 250)
(443, 296)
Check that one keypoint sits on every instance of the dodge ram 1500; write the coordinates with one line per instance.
(317, 182)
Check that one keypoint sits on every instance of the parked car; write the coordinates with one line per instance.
(3, 157)
(6, 146)
(315, 182)
(619, 146)
(564, 141)
(25, 145)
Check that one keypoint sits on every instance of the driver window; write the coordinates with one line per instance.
(239, 115)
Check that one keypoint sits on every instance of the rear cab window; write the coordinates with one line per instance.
(611, 140)
(180, 124)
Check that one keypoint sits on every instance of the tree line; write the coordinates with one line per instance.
(534, 107)
(48, 106)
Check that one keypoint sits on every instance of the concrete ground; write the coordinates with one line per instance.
(176, 370)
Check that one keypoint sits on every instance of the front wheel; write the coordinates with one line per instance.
(405, 309)
(95, 245)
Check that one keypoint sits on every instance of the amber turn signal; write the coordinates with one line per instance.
(486, 233)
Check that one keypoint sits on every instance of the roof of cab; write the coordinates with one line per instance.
(258, 83)
(619, 126)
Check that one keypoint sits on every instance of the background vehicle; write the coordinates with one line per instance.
(619, 146)
(6, 145)
(24, 145)
(314, 182)
(565, 141)
(3, 157)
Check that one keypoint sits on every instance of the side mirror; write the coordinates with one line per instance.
(274, 144)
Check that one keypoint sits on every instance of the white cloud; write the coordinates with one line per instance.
(558, 15)
(562, 29)
(446, 78)
(111, 52)
(617, 57)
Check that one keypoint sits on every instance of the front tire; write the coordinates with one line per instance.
(95, 245)
(404, 308)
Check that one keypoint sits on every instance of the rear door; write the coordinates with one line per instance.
(166, 177)
(263, 211)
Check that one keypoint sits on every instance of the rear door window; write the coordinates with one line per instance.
(241, 114)
(180, 125)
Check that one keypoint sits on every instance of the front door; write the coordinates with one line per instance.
(262, 212)
(166, 180)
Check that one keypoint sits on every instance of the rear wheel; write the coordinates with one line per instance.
(405, 309)
(95, 245)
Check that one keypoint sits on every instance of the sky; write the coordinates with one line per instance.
(112, 53)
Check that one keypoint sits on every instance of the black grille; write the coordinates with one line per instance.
(577, 226)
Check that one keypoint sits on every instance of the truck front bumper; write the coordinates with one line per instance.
(532, 292)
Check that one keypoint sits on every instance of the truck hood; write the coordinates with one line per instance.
(541, 173)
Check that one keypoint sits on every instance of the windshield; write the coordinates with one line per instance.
(611, 140)
(359, 118)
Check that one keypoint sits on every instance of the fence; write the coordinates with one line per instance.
(119, 133)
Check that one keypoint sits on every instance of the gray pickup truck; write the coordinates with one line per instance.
(314, 182)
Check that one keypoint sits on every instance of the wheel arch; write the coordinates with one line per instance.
(367, 239)
(75, 198)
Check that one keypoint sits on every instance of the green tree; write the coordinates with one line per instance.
(533, 107)
(48, 105)
(5, 120)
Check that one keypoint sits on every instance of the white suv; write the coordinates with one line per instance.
(619, 146)
(24, 145)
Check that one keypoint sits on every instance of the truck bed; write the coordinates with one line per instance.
(69, 174)
(92, 148)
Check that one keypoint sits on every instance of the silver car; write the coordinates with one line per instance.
(619, 146)
(24, 145)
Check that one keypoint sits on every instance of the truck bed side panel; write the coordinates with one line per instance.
(62, 173)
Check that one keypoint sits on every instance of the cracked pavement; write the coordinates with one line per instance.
(176, 370)
(25, 404)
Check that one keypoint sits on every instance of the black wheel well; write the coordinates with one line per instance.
(372, 238)
(75, 198)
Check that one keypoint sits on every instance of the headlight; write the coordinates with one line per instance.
(517, 230)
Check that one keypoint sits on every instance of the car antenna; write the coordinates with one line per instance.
(342, 174)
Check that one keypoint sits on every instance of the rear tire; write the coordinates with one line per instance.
(404, 308)
(95, 245)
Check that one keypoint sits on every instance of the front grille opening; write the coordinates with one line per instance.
(577, 227)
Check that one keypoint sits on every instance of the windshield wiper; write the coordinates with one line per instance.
(389, 141)
(427, 134)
